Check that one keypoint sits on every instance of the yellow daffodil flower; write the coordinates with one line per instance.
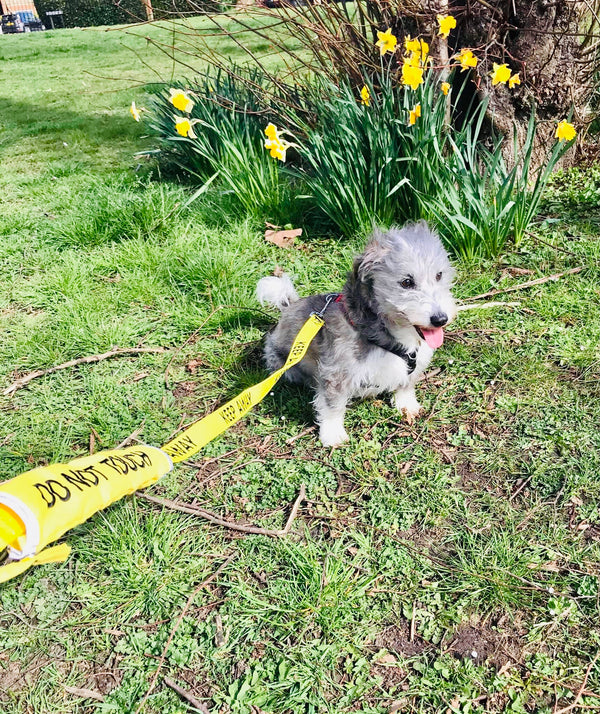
(565, 131)
(181, 101)
(276, 146)
(271, 132)
(467, 59)
(514, 79)
(412, 76)
(277, 149)
(185, 126)
(413, 59)
(365, 96)
(501, 74)
(414, 114)
(446, 23)
(417, 50)
(445, 88)
(134, 111)
(387, 41)
(412, 45)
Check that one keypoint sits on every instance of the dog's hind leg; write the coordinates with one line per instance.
(276, 356)
(330, 406)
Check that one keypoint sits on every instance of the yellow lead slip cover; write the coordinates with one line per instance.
(39, 506)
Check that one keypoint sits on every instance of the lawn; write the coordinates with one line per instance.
(451, 564)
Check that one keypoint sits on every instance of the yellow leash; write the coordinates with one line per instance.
(39, 506)
(195, 437)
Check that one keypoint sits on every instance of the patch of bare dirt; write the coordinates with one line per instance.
(496, 645)
(392, 677)
(396, 638)
(105, 677)
(12, 676)
(425, 539)
(184, 389)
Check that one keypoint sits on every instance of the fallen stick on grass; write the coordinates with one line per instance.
(85, 693)
(575, 704)
(485, 305)
(213, 518)
(184, 694)
(189, 601)
(528, 284)
(133, 436)
(116, 352)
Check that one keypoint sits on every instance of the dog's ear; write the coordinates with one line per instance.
(378, 248)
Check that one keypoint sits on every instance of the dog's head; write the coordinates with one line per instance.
(407, 275)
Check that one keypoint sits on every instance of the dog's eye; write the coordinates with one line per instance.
(438, 277)
(407, 283)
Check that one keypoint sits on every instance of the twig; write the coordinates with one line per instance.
(189, 601)
(579, 694)
(133, 436)
(484, 305)
(528, 284)
(213, 518)
(549, 245)
(116, 352)
(85, 693)
(521, 487)
(292, 439)
(184, 694)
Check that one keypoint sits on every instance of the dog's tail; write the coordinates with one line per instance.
(276, 291)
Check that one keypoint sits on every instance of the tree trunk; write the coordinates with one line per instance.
(546, 43)
(552, 45)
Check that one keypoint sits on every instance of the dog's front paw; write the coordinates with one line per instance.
(407, 404)
(332, 433)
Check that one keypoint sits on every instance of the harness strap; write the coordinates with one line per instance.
(389, 345)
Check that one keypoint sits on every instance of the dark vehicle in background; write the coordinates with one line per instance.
(11, 23)
(19, 16)
(31, 23)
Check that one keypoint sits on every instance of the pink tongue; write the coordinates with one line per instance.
(434, 337)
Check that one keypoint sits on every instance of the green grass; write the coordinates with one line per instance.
(478, 526)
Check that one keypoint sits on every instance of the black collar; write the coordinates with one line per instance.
(375, 332)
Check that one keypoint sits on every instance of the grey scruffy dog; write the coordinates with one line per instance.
(380, 331)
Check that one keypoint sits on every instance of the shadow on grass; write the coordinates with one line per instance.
(46, 123)
(288, 402)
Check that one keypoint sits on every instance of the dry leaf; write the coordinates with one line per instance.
(138, 376)
(283, 238)
(519, 271)
(551, 566)
(193, 365)
(386, 659)
(85, 693)
(220, 640)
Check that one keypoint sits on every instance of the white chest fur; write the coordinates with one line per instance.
(383, 371)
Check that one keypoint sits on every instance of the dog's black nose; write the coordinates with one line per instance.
(439, 319)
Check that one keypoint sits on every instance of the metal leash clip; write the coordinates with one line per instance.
(329, 298)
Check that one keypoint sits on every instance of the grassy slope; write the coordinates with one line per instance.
(478, 524)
